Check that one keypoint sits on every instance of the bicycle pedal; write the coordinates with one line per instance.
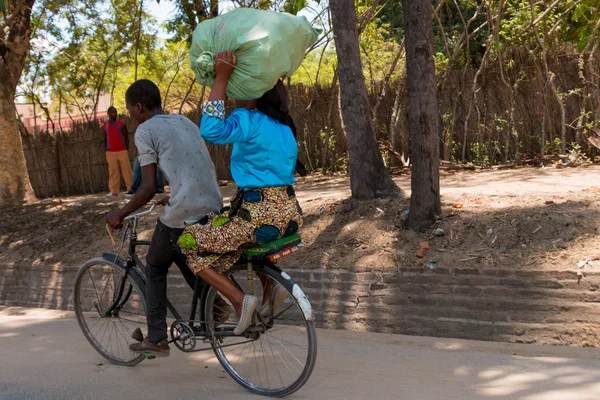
(149, 356)
(137, 335)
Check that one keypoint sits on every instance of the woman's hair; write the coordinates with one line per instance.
(276, 104)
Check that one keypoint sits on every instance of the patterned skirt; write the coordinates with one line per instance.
(256, 216)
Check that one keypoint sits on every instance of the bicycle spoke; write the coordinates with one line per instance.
(286, 365)
(123, 334)
(105, 329)
(286, 349)
(112, 271)
(96, 291)
(95, 323)
(118, 340)
(109, 338)
(256, 363)
(285, 341)
(282, 312)
(265, 362)
(274, 361)
(109, 335)
(240, 353)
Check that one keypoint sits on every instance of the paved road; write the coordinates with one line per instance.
(44, 356)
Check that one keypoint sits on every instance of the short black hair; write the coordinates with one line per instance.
(111, 108)
(144, 92)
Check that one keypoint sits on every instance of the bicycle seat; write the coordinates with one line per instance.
(279, 245)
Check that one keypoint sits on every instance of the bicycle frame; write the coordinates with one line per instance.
(134, 265)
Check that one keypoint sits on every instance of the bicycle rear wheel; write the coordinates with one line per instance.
(280, 357)
(97, 287)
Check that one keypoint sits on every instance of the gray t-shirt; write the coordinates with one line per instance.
(174, 143)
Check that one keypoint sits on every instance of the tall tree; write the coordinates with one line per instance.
(368, 176)
(188, 14)
(423, 114)
(15, 35)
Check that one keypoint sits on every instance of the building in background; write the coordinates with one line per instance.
(35, 119)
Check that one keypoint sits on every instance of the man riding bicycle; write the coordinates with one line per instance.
(171, 143)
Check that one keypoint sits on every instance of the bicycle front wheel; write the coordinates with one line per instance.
(109, 305)
(279, 358)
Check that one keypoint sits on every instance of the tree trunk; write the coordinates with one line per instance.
(137, 39)
(14, 47)
(368, 176)
(423, 115)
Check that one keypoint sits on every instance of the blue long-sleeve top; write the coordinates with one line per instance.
(264, 150)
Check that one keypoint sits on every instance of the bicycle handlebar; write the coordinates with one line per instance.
(140, 214)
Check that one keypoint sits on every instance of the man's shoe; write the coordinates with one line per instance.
(146, 347)
(130, 193)
(112, 195)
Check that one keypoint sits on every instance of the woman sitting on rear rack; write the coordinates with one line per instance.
(265, 209)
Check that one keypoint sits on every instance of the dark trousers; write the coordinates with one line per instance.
(161, 255)
(137, 177)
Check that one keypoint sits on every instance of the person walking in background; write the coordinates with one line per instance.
(117, 156)
(137, 179)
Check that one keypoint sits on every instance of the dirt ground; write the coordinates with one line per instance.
(539, 218)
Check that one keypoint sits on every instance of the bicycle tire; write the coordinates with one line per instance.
(283, 279)
(136, 284)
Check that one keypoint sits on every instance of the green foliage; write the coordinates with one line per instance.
(577, 155)
(449, 144)
(307, 73)
(188, 14)
(99, 51)
(393, 18)
(553, 146)
(480, 154)
(583, 19)
(294, 6)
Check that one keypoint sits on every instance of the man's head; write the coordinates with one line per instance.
(142, 100)
(112, 113)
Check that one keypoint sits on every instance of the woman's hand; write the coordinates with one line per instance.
(224, 65)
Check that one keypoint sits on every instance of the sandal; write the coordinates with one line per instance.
(248, 308)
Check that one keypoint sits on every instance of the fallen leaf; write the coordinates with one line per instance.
(595, 189)
(457, 205)
(424, 245)
(421, 253)
(549, 202)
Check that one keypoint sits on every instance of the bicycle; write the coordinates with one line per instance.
(274, 357)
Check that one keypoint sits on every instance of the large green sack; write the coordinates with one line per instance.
(268, 45)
